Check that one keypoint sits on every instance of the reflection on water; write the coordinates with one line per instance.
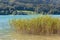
(5, 29)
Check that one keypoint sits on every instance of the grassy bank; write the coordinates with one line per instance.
(43, 25)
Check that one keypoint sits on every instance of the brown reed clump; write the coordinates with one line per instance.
(41, 25)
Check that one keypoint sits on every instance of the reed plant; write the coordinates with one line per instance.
(40, 25)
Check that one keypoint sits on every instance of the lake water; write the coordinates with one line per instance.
(6, 18)
(5, 28)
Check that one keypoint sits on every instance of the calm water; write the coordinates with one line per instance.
(6, 18)
(5, 28)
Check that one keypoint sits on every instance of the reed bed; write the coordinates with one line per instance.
(42, 25)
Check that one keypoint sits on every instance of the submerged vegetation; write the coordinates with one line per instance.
(45, 25)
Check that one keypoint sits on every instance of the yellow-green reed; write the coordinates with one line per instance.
(40, 25)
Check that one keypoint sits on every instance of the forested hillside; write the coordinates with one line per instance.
(9, 7)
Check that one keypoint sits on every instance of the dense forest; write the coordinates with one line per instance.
(18, 7)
